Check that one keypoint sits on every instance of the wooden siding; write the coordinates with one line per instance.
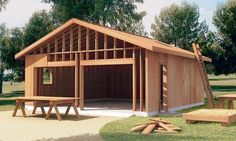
(184, 82)
(100, 82)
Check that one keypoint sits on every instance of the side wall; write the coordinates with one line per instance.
(184, 82)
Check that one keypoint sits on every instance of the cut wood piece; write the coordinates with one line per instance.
(149, 129)
(165, 127)
(173, 127)
(146, 123)
(138, 128)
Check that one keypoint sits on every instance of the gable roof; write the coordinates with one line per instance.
(147, 43)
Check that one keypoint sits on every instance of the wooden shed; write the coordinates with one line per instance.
(88, 61)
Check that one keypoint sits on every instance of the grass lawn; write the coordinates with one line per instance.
(14, 90)
(119, 130)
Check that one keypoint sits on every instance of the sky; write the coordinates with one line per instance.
(18, 12)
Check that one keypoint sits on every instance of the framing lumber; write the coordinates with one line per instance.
(76, 79)
(61, 64)
(87, 43)
(81, 87)
(134, 82)
(56, 49)
(96, 45)
(149, 129)
(71, 43)
(105, 46)
(63, 46)
(106, 62)
(141, 80)
(114, 47)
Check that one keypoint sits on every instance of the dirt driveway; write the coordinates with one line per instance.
(38, 129)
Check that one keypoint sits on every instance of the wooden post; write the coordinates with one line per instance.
(141, 80)
(134, 81)
(71, 44)
(114, 47)
(105, 46)
(81, 88)
(87, 44)
(48, 51)
(63, 46)
(56, 47)
(96, 45)
(76, 78)
(124, 53)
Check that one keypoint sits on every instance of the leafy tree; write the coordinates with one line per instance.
(225, 21)
(179, 25)
(38, 26)
(3, 3)
(14, 45)
(4, 41)
(118, 14)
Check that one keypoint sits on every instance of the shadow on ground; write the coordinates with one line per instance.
(86, 137)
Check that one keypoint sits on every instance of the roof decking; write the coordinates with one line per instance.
(147, 43)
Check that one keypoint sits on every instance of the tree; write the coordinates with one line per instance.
(14, 45)
(225, 21)
(179, 25)
(3, 3)
(38, 26)
(4, 41)
(118, 14)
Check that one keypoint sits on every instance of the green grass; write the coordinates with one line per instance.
(14, 90)
(205, 131)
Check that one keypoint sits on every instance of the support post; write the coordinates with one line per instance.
(71, 44)
(96, 45)
(76, 78)
(141, 79)
(134, 81)
(63, 46)
(105, 46)
(87, 44)
(81, 88)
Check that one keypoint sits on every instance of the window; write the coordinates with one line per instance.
(47, 76)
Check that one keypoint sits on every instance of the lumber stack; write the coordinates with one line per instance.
(155, 125)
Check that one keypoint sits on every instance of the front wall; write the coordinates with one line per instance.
(32, 61)
(184, 82)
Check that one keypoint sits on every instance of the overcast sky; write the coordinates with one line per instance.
(18, 12)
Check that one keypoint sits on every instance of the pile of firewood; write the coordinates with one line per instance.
(156, 125)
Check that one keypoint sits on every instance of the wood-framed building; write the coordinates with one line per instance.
(88, 61)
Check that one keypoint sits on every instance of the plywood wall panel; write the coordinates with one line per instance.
(184, 82)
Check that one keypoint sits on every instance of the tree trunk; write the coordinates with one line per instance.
(1, 79)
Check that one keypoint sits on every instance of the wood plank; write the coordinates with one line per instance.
(71, 43)
(106, 62)
(77, 65)
(134, 82)
(149, 129)
(87, 43)
(81, 88)
(56, 49)
(63, 46)
(61, 64)
(96, 45)
(138, 128)
(141, 80)
(105, 46)
(114, 47)
(165, 127)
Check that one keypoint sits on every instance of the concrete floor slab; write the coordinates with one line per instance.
(37, 128)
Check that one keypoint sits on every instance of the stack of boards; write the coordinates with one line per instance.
(157, 125)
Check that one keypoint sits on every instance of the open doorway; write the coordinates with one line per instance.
(163, 89)
(108, 88)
